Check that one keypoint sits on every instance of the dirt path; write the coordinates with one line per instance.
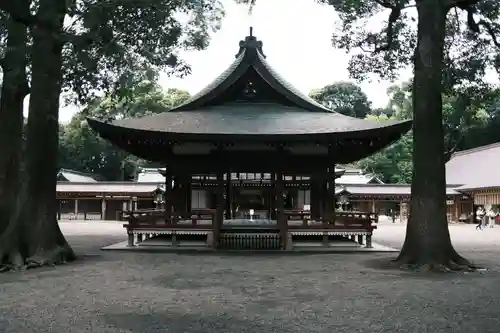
(159, 292)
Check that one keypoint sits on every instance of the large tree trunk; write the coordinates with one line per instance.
(427, 244)
(14, 90)
(47, 244)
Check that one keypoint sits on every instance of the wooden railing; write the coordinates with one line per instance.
(81, 216)
(341, 220)
(252, 235)
(156, 218)
(204, 217)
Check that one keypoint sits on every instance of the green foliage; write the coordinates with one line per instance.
(385, 52)
(80, 149)
(344, 97)
(468, 122)
(144, 99)
(470, 50)
(112, 43)
(108, 45)
(394, 163)
(118, 47)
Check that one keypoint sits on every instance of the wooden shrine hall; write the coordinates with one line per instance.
(250, 120)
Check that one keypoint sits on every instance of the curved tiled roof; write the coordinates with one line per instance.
(251, 119)
(475, 168)
(75, 176)
(269, 74)
(204, 114)
(222, 81)
(251, 56)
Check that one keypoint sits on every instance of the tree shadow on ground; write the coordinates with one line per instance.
(259, 253)
(49, 272)
(170, 321)
(92, 242)
(388, 264)
(250, 253)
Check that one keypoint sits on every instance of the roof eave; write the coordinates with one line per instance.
(108, 130)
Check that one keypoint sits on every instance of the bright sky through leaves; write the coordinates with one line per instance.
(297, 43)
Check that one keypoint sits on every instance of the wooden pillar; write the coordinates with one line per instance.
(168, 195)
(130, 237)
(76, 209)
(334, 199)
(229, 196)
(175, 197)
(474, 216)
(189, 194)
(184, 206)
(321, 195)
(403, 211)
(315, 198)
(219, 209)
(272, 203)
(455, 213)
(281, 219)
(180, 198)
(326, 195)
(103, 209)
(59, 208)
(330, 197)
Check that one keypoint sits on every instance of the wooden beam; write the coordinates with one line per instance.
(251, 162)
(330, 198)
(229, 196)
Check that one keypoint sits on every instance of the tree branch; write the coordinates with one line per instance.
(448, 153)
(32, 20)
(469, 7)
(10, 7)
(395, 14)
(385, 4)
(490, 31)
(462, 4)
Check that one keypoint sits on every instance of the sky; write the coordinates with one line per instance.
(297, 42)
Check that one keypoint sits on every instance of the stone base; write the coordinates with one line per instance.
(161, 246)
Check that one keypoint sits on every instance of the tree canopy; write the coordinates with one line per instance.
(344, 97)
(81, 150)
(466, 125)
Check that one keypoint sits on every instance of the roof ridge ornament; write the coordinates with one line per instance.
(251, 45)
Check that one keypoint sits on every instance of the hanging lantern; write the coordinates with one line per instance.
(158, 196)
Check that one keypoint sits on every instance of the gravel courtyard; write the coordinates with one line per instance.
(161, 292)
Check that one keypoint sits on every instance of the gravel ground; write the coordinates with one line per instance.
(161, 292)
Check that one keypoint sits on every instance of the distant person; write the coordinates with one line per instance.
(490, 218)
(480, 213)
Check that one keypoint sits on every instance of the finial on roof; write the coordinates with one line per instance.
(250, 44)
